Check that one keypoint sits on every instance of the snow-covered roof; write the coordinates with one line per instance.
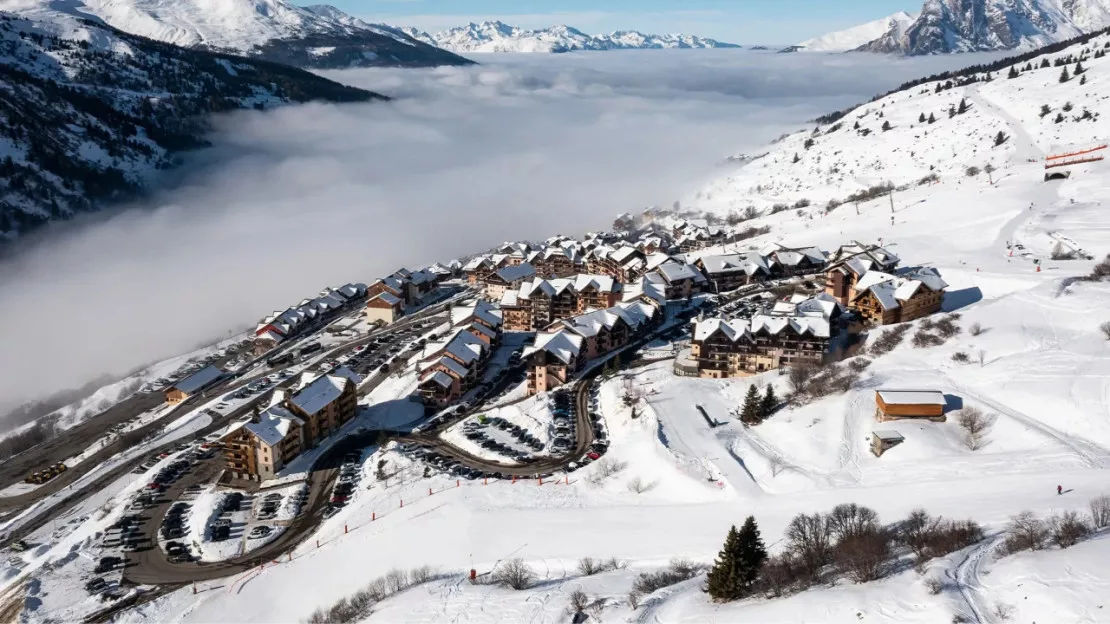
(347, 373)
(801, 315)
(678, 271)
(450, 364)
(199, 380)
(385, 297)
(748, 263)
(562, 344)
(887, 435)
(889, 290)
(476, 263)
(318, 394)
(484, 311)
(273, 425)
(646, 288)
(911, 397)
(439, 378)
(512, 274)
(656, 259)
(482, 329)
(271, 336)
(601, 283)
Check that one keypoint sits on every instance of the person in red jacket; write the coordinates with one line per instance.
(1059, 490)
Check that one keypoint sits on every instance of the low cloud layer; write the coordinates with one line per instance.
(290, 201)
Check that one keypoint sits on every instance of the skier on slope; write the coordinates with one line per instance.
(1059, 490)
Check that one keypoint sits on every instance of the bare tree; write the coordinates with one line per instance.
(1025, 532)
(1003, 612)
(864, 555)
(515, 574)
(578, 602)
(605, 469)
(799, 377)
(808, 538)
(1105, 328)
(975, 329)
(1100, 511)
(849, 519)
(587, 566)
(776, 466)
(639, 486)
(982, 357)
(1067, 529)
(975, 425)
(634, 600)
(934, 585)
(397, 580)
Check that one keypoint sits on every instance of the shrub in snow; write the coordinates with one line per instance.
(972, 171)
(578, 602)
(934, 585)
(639, 486)
(677, 571)
(587, 566)
(1100, 511)
(864, 556)
(1067, 529)
(359, 605)
(1025, 532)
(975, 329)
(1105, 329)
(926, 339)
(960, 357)
(929, 537)
(889, 340)
(514, 573)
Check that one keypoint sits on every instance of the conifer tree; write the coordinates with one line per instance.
(1064, 77)
(1078, 68)
(1013, 72)
(921, 118)
(723, 583)
(1000, 138)
(963, 107)
(886, 126)
(752, 553)
(796, 157)
(932, 118)
(767, 405)
(1083, 80)
(750, 412)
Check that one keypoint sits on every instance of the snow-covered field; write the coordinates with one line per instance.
(671, 485)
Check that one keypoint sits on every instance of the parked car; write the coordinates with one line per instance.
(259, 531)
(95, 585)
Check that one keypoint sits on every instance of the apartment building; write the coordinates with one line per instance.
(881, 298)
(507, 278)
(851, 262)
(258, 448)
(539, 303)
(796, 331)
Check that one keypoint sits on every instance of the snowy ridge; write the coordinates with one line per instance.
(500, 37)
(319, 36)
(946, 26)
(833, 160)
(852, 38)
(86, 118)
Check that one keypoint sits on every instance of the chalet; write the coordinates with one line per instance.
(730, 271)
(882, 298)
(394, 285)
(564, 347)
(790, 261)
(384, 307)
(794, 332)
(681, 280)
(478, 269)
(193, 384)
(258, 448)
(848, 264)
(560, 260)
(623, 264)
(480, 312)
(325, 405)
(914, 404)
(451, 367)
(508, 278)
(539, 303)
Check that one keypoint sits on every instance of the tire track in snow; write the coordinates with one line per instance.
(968, 578)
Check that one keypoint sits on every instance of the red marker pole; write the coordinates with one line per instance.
(373, 516)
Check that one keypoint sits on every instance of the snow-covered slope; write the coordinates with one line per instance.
(501, 37)
(850, 152)
(318, 37)
(852, 38)
(85, 116)
(982, 25)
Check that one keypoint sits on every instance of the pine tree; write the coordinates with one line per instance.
(1013, 72)
(1045, 110)
(856, 127)
(767, 405)
(1078, 68)
(921, 118)
(932, 118)
(1064, 77)
(1045, 63)
(1059, 118)
(750, 412)
(886, 126)
(723, 583)
(796, 157)
(951, 112)
(752, 553)
(1000, 138)
(963, 107)
(1083, 80)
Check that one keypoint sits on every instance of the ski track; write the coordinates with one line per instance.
(968, 578)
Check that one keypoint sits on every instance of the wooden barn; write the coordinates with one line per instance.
(919, 404)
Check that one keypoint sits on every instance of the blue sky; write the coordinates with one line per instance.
(738, 21)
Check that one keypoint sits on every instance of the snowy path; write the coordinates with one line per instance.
(1026, 147)
(968, 578)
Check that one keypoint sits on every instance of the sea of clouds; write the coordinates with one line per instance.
(291, 200)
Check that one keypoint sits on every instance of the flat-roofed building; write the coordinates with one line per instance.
(891, 404)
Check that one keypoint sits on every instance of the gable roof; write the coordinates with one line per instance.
(318, 394)
(387, 298)
(273, 425)
(440, 379)
(724, 264)
(198, 380)
(911, 397)
(562, 344)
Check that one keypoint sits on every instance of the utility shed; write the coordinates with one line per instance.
(897, 404)
(883, 440)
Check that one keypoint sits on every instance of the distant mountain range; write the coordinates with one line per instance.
(316, 37)
(948, 26)
(501, 37)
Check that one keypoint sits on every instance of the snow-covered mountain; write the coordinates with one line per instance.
(946, 26)
(88, 112)
(852, 38)
(500, 37)
(318, 37)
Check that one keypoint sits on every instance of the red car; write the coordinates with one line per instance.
(592, 455)
(339, 498)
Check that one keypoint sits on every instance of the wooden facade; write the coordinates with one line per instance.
(912, 404)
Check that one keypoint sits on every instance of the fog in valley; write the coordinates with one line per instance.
(292, 200)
